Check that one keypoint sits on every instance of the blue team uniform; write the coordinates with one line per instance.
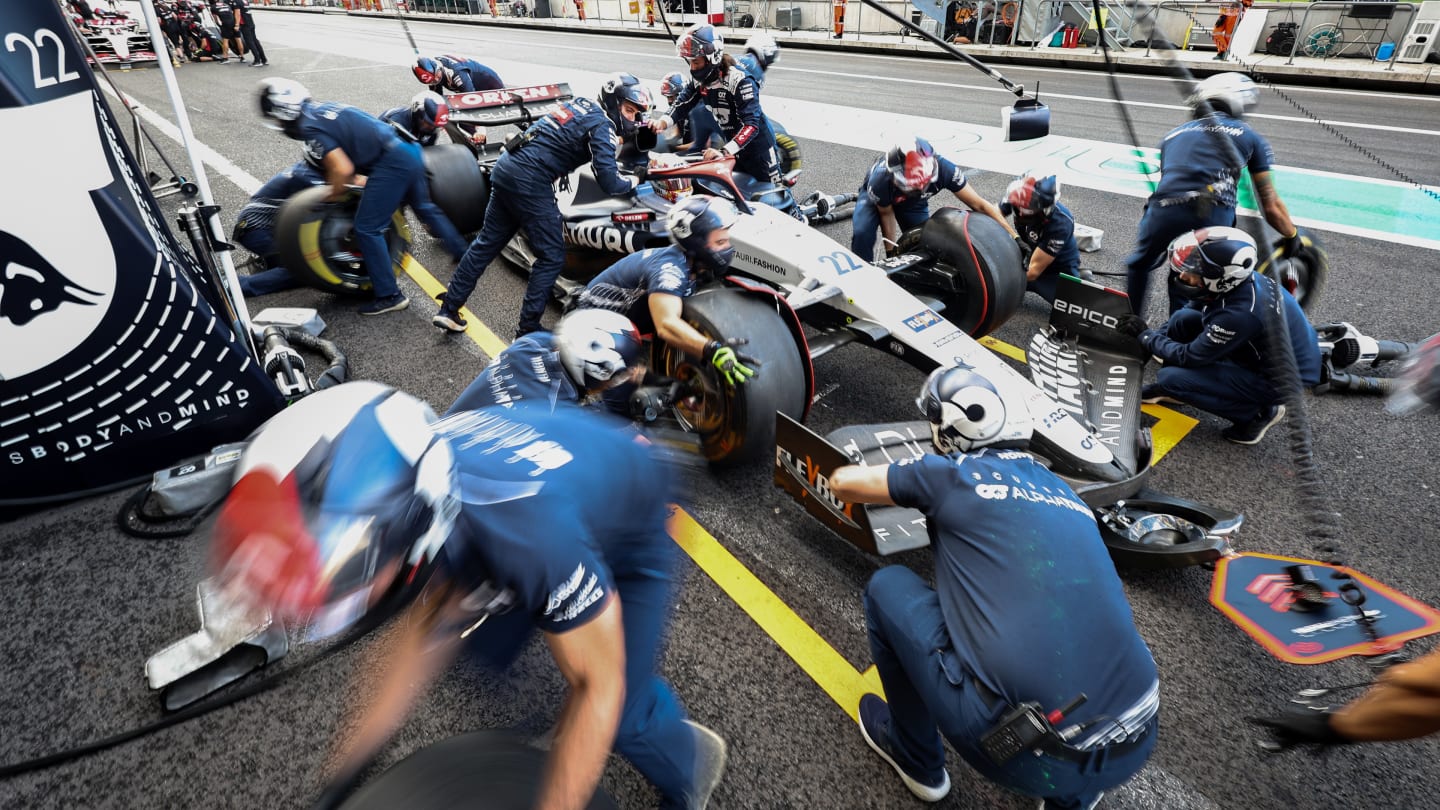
(1026, 607)
(559, 515)
(1197, 189)
(522, 196)
(879, 191)
(752, 68)
(468, 76)
(404, 118)
(625, 286)
(733, 99)
(527, 371)
(1216, 355)
(1055, 235)
(395, 176)
(255, 227)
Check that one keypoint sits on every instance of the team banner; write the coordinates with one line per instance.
(113, 362)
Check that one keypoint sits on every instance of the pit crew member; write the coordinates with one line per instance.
(348, 142)
(650, 287)
(520, 520)
(1215, 351)
(1046, 231)
(422, 119)
(522, 193)
(455, 74)
(1026, 609)
(761, 51)
(1200, 164)
(255, 228)
(895, 195)
(590, 351)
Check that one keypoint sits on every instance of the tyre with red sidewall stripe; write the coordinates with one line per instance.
(976, 271)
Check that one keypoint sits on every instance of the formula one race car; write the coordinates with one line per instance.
(116, 39)
(1085, 376)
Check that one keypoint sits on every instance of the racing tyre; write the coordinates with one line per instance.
(737, 425)
(457, 185)
(789, 149)
(316, 241)
(977, 269)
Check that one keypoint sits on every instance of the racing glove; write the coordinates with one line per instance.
(1132, 325)
(1299, 724)
(1290, 245)
(734, 367)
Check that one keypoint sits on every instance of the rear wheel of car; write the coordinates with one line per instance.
(316, 241)
(789, 150)
(977, 268)
(1304, 275)
(457, 185)
(737, 425)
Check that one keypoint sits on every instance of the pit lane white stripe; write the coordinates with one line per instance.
(221, 164)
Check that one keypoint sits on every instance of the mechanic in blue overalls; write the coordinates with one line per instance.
(590, 351)
(1216, 354)
(734, 99)
(455, 74)
(1046, 231)
(522, 193)
(348, 142)
(529, 520)
(1200, 164)
(255, 228)
(650, 287)
(692, 134)
(1026, 608)
(895, 195)
(422, 119)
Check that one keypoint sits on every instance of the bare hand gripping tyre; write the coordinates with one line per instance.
(737, 425)
(457, 185)
(977, 269)
(316, 241)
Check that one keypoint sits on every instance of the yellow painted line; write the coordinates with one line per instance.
(474, 329)
(796, 638)
(841, 681)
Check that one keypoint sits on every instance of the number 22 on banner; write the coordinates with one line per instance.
(42, 34)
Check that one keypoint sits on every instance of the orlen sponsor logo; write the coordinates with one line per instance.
(815, 485)
(510, 95)
(601, 237)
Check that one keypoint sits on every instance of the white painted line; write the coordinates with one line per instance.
(221, 164)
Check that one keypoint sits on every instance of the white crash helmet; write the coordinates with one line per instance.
(1232, 93)
(598, 348)
(280, 100)
(967, 413)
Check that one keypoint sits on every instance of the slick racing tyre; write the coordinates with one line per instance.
(455, 771)
(789, 149)
(737, 425)
(976, 269)
(316, 241)
(457, 185)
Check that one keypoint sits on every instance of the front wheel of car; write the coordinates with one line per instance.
(737, 424)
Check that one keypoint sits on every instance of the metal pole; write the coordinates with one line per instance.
(197, 168)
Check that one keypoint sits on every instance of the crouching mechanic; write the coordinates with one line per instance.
(1216, 354)
(895, 195)
(523, 195)
(347, 142)
(1046, 231)
(1026, 609)
(455, 74)
(519, 519)
(650, 287)
(590, 351)
(421, 120)
(255, 228)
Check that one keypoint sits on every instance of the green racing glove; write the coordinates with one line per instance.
(734, 367)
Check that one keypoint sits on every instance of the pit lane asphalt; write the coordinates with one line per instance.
(88, 605)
